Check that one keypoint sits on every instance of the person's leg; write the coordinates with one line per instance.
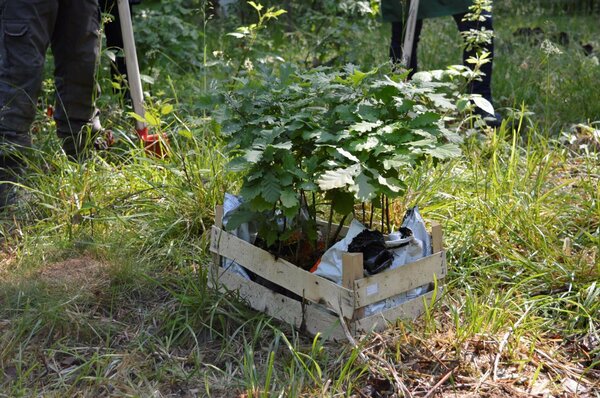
(398, 41)
(25, 30)
(114, 38)
(483, 86)
(75, 46)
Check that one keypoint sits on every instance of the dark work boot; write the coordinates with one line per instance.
(13, 146)
(8, 190)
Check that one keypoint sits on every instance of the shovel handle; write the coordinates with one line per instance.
(409, 36)
(131, 61)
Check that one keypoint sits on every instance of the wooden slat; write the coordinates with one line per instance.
(283, 273)
(408, 310)
(352, 270)
(312, 319)
(436, 237)
(218, 224)
(393, 282)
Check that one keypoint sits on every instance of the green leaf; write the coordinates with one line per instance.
(166, 109)
(364, 126)
(238, 217)
(308, 186)
(342, 201)
(445, 151)
(137, 117)
(347, 154)
(289, 199)
(363, 190)
(152, 120)
(338, 178)
(397, 162)
(283, 145)
(237, 35)
(254, 156)
(186, 134)
(271, 190)
(391, 183)
(238, 164)
(369, 144)
(424, 120)
(441, 101)
(257, 7)
(484, 104)
(251, 191)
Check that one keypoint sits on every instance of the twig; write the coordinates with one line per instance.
(387, 214)
(329, 222)
(440, 382)
(338, 230)
(505, 341)
(351, 338)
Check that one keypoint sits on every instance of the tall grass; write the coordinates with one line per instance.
(521, 216)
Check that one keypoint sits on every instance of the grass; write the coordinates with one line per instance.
(103, 286)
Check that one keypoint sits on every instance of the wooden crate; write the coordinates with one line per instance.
(334, 311)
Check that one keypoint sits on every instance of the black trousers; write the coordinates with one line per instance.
(27, 28)
(483, 86)
(114, 37)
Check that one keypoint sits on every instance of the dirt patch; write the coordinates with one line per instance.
(76, 273)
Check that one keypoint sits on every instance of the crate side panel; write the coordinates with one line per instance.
(393, 282)
(283, 273)
(408, 310)
(309, 317)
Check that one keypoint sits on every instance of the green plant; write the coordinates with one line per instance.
(352, 137)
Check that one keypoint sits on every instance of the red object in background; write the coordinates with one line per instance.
(155, 144)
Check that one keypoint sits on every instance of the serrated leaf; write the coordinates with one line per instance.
(363, 189)
(238, 164)
(251, 191)
(254, 156)
(338, 178)
(289, 199)
(424, 119)
(445, 151)
(369, 144)
(397, 162)
(283, 145)
(347, 154)
(441, 101)
(364, 126)
(391, 183)
(271, 190)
